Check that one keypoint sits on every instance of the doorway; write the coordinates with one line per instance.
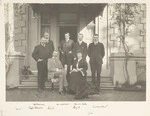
(71, 29)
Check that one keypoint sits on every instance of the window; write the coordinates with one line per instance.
(45, 23)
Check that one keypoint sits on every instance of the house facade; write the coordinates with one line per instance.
(89, 19)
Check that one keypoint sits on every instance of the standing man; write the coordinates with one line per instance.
(96, 53)
(66, 51)
(49, 44)
(41, 53)
(50, 47)
(80, 46)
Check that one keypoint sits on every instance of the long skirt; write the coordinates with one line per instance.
(78, 85)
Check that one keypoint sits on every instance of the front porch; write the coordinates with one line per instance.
(87, 19)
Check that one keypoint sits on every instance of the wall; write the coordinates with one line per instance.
(136, 40)
(20, 31)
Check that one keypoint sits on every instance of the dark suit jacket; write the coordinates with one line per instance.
(41, 52)
(96, 52)
(82, 64)
(66, 47)
(82, 48)
(50, 47)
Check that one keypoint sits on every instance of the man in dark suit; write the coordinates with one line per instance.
(50, 47)
(80, 46)
(66, 52)
(41, 54)
(96, 53)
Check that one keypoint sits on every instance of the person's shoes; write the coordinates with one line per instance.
(66, 89)
(76, 97)
(71, 92)
(96, 92)
(61, 93)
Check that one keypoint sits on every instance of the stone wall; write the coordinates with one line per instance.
(136, 40)
(20, 31)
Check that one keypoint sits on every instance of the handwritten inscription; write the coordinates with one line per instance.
(40, 107)
(90, 113)
(75, 106)
(37, 106)
(100, 106)
(59, 104)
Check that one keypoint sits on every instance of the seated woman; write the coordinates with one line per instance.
(78, 83)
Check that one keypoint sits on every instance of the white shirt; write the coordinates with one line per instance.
(78, 62)
(80, 42)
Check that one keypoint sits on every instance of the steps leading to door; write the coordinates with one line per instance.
(31, 82)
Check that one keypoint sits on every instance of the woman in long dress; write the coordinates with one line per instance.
(78, 84)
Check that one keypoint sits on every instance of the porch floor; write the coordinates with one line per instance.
(26, 94)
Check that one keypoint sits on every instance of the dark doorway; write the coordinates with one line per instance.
(71, 29)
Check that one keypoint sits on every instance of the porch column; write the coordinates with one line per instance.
(54, 28)
(13, 62)
(97, 25)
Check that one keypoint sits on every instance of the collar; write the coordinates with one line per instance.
(95, 43)
(80, 42)
(79, 59)
(55, 58)
(43, 44)
(67, 40)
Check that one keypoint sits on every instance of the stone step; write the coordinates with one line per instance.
(103, 79)
(27, 86)
(34, 78)
(49, 82)
(33, 84)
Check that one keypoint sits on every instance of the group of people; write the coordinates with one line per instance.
(70, 69)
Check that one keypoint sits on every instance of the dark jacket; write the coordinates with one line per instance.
(82, 48)
(50, 46)
(82, 64)
(96, 52)
(66, 46)
(41, 52)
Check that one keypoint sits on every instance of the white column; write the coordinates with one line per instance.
(10, 49)
(97, 24)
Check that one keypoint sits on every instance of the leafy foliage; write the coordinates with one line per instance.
(123, 17)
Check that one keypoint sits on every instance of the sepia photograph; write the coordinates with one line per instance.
(75, 52)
